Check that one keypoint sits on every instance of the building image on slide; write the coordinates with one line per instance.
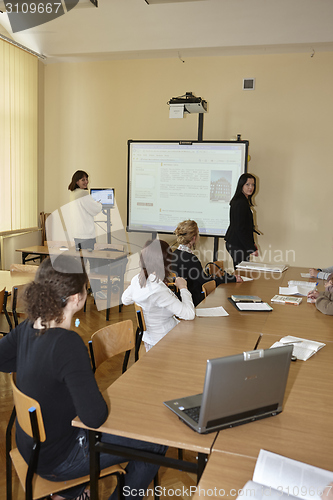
(220, 185)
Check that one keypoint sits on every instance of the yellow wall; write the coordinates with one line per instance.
(92, 109)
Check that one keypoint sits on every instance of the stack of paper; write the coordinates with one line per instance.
(261, 266)
(285, 299)
(303, 349)
(254, 306)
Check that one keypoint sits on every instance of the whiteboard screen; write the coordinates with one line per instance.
(171, 181)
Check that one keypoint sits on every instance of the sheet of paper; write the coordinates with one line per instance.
(256, 306)
(211, 311)
(295, 290)
(246, 278)
(305, 275)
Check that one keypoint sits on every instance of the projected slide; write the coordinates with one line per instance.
(171, 181)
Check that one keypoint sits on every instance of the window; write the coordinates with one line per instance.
(18, 138)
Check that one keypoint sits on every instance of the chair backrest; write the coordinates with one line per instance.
(208, 287)
(17, 298)
(23, 268)
(216, 268)
(103, 246)
(112, 340)
(23, 405)
(140, 319)
(43, 216)
(2, 298)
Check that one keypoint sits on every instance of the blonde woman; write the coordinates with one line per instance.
(188, 266)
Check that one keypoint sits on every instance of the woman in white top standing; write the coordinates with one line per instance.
(149, 290)
(83, 210)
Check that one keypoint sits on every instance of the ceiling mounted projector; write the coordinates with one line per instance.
(191, 103)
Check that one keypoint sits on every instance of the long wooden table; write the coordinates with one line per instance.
(176, 367)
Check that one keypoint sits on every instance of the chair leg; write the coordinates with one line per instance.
(138, 338)
(120, 486)
(156, 484)
(180, 454)
(8, 459)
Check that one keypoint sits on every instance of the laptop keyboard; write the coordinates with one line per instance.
(193, 413)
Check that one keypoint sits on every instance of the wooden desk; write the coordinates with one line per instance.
(39, 251)
(224, 476)
(114, 265)
(9, 279)
(176, 366)
(304, 430)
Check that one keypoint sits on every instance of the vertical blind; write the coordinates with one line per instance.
(18, 138)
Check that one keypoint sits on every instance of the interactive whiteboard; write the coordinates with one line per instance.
(170, 181)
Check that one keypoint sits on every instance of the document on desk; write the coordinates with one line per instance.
(261, 266)
(276, 477)
(296, 290)
(211, 311)
(254, 306)
(303, 349)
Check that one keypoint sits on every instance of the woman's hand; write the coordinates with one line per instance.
(239, 279)
(328, 492)
(313, 295)
(180, 283)
(256, 253)
(313, 273)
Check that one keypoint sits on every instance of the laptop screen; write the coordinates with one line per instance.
(104, 196)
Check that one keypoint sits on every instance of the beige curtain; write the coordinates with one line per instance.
(18, 138)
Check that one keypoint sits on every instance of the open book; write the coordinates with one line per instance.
(303, 349)
(277, 477)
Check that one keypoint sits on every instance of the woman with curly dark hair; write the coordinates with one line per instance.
(52, 366)
(148, 289)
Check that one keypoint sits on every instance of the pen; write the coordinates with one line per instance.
(258, 341)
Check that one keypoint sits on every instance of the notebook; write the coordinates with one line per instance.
(238, 389)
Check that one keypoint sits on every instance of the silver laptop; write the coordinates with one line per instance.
(237, 389)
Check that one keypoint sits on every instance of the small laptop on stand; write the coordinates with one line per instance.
(237, 389)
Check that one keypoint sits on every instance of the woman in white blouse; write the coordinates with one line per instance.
(83, 209)
(149, 290)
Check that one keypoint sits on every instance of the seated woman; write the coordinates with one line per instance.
(324, 300)
(187, 265)
(149, 290)
(52, 366)
(321, 274)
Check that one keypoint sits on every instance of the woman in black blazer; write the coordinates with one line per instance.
(239, 236)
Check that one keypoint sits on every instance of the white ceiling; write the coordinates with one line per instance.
(122, 29)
